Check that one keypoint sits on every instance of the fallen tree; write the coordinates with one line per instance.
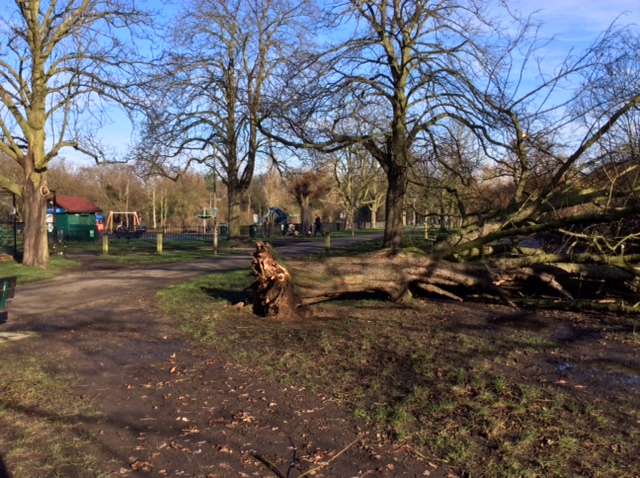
(581, 282)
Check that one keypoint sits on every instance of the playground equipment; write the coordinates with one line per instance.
(124, 224)
(276, 214)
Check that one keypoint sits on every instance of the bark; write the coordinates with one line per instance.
(272, 286)
(234, 193)
(36, 245)
(306, 213)
(394, 276)
(397, 177)
(390, 276)
(374, 218)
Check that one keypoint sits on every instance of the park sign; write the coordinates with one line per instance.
(204, 214)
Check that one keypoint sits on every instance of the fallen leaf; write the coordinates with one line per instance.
(142, 466)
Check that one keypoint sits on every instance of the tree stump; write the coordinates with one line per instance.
(272, 287)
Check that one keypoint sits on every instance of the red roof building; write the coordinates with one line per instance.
(76, 205)
(72, 218)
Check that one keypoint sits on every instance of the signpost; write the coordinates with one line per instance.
(215, 231)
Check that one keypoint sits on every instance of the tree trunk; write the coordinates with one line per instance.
(234, 195)
(393, 276)
(397, 177)
(36, 244)
(390, 276)
(154, 207)
(374, 217)
(306, 214)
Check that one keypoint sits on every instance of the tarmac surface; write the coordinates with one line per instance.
(82, 289)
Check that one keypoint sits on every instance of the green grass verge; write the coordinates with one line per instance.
(41, 419)
(33, 274)
(451, 394)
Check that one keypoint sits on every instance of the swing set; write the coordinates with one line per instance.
(124, 224)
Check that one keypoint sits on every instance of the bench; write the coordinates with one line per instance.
(7, 291)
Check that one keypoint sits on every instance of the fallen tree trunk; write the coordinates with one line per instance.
(394, 276)
(389, 276)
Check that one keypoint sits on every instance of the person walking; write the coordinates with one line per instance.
(318, 224)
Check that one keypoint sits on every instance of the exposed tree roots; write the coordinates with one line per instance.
(272, 287)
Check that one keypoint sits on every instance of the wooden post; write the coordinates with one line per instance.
(215, 236)
(105, 244)
(159, 242)
(327, 241)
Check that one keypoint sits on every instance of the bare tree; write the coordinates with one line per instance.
(224, 55)
(416, 64)
(536, 145)
(307, 187)
(568, 162)
(354, 175)
(60, 60)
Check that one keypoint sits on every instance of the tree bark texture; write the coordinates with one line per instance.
(34, 194)
(234, 194)
(389, 276)
(394, 276)
(396, 191)
(272, 286)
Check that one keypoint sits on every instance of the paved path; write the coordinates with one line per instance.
(84, 288)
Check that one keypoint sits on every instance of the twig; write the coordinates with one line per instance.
(326, 463)
(268, 464)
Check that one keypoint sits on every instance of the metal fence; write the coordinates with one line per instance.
(170, 233)
(205, 233)
(8, 225)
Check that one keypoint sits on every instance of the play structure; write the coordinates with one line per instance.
(275, 214)
(124, 224)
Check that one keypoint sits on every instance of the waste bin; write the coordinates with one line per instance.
(224, 230)
(253, 231)
(337, 226)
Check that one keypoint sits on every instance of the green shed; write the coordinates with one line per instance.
(73, 218)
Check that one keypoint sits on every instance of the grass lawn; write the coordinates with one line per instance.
(49, 439)
(451, 391)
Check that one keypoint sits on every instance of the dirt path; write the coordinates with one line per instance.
(171, 407)
(99, 279)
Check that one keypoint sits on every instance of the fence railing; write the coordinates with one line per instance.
(190, 233)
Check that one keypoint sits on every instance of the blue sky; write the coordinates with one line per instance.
(573, 23)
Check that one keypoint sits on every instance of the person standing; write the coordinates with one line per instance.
(318, 224)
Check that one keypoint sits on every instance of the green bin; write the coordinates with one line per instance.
(253, 231)
(224, 230)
